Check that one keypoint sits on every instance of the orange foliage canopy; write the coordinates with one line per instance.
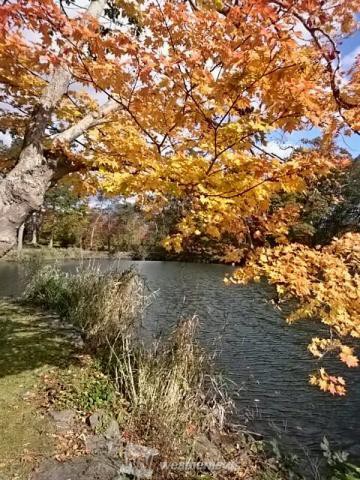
(182, 98)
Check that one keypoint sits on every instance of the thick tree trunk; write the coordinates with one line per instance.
(22, 190)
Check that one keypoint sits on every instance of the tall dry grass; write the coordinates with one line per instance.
(103, 304)
(167, 387)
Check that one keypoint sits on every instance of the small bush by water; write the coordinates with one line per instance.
(103, 305)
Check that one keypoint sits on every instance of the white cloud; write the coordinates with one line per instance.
(283, 150)
(306, 35)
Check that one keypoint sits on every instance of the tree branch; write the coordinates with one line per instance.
(239, 194)
(89, 121)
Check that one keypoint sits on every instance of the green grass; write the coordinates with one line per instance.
(29, 345)
(55, 253)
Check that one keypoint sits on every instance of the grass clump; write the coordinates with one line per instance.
(169, 395)
(103, 305)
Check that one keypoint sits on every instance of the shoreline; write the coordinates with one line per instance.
(93, 434)
(55, 303)
(59, 253)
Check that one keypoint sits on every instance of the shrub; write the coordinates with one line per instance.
(166, 387)
(103, 305)
(50, 288)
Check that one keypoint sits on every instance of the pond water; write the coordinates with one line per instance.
(266, 358)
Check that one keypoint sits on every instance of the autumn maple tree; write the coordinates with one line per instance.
(176, 100)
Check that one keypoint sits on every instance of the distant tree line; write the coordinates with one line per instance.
(95, 223)
(331, 208)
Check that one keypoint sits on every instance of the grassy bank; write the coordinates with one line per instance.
(31, 342)
(164, 395)
(164, 391)
(58, 253)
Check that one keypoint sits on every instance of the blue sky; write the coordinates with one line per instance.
(350, 48)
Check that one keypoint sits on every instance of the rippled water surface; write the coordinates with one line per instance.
(266, 358)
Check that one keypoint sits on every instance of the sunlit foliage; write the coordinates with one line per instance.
(179, 102)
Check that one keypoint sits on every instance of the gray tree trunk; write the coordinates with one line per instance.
(22, 190)
(20, 237)
(34, 229)
(93, 231)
